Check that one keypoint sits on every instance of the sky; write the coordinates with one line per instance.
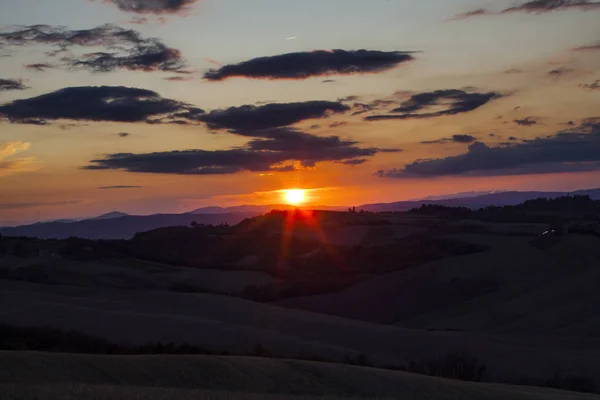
(148, 106)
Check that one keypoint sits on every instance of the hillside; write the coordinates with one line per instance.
(187, 377)
(238, 326)
(123, 227)
(513, 288)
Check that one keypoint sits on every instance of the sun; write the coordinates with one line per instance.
(294, 196)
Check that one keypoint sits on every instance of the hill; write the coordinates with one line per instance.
(57, 376)
(237, 326)
(123, 227)
(494, 199)
(110, 215)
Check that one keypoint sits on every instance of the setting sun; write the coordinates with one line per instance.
(294, 196)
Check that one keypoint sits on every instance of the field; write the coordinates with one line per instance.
(335, 305)
(35, 376)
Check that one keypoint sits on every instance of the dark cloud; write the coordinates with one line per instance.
(454, 138)
(535, 6)
(529, 121)
(544, 6)
(575, 150)
(463, 138)
(271, 150)
(591, 86)
(250, 117)
(124, 134)
(179, 78)
(475, 13)
(352, 162)
(512, 138)
(592, 47)
(328, 81)
(153, 6)
(558, 72)
(304, 65)
(101, 103)
(455, 102)
(119, 187)
(127, 49)
(40, 67)
(11, 84)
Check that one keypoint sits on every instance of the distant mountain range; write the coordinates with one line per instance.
(121, 227)
(118, 225)
(475, 202)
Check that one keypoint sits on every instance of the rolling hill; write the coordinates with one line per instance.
(34, 376)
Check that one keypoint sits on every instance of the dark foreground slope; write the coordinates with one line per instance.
(25, 375)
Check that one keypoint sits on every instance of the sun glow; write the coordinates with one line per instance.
(294, 196)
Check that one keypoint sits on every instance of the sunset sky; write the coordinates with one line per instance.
(147, 106)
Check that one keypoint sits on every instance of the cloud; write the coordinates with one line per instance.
(352, 162)
(16, 206)
(529, 121)
(270, 150)
(535, 6)
(146, 20)
(513, 71)
(251, 117)
(40, 67)
(558, 72)
(592, 47)
(469, 14)
(94, 103)
(455, 102)
(544, 6)
(126, 48)
(454, 138)
(304, 65)
(567, 151)
(11, 84)
(179, 78)
(591, 86)
(119, 187)
(10, 165)
(124, 134)
(153, 6)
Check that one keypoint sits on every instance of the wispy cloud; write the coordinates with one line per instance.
(11, 84)
(591, 86)
(10, 165)
(40, 67)
(118, 187)
(590, 47)
(558, 72)
(454, 139)
(528, 121)
(535, 7)
(126, 48)
(426, 105)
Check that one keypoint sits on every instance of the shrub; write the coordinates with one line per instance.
(453, 366)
